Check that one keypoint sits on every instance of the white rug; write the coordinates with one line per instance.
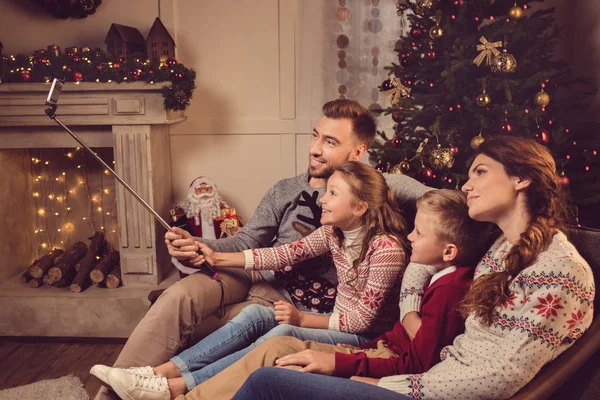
(66, 388)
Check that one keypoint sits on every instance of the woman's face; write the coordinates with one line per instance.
(491, 193)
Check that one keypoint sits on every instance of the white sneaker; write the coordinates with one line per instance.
(131, 386)
(101, 371)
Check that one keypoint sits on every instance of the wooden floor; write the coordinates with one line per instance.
(24, 361)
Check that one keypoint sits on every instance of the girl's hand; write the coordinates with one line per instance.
(207, 255)
(312, 361)
(348, 346)
(286, 313)
(364, 379)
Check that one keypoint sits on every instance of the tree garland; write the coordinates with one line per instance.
(70, 8)
(97, 66)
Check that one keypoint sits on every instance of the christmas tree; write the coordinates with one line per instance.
(471, 69)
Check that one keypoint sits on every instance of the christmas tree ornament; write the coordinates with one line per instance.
(398, 90)
(383, 167)
(427, 172)
(416, 32)
(515, 12)
(135, 73)
(423, 7)
(483, 100)
(171, 61)
(26, 76)
(505, 127)
(77, 76)
(436, 32)
(487, 51)
(386, 85)
(476, 141)
(398, 117)
(441, 158)
(396, 142)
(542, 135)
(400, 168)
(504, 63)
(542, 98)
(564, 180)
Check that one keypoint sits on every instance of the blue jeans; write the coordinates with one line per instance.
(271, 383)
(252, 326)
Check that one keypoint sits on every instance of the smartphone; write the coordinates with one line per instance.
(54, 93)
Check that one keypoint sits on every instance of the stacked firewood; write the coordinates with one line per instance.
(78, 267)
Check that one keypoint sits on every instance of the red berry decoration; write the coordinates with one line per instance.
(77, 76)
(416, 33)
(427, 172)
(398, 117)
(542, 136)
(116, 65)
(75, 58)
(135, 73)
(171, 62)
(505, 128)
(396, 142)
(454, 150)
(564, 180)
(178, 76)
(26, 76)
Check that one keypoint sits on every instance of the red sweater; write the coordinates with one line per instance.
(440, 324)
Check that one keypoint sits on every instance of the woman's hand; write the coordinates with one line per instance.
(286, 313)
(181, 245)
(312, 361)
(364, 379)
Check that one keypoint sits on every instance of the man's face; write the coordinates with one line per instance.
(332, 144)
(203, 190)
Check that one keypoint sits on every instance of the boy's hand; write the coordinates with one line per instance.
(286, 313)
(207, 255)
(348, 346)
(364, 379)
(412, 323)
(313, 361)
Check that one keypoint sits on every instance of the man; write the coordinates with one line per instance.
(188, 310)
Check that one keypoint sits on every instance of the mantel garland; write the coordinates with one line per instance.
(70, 8)
(85, 65)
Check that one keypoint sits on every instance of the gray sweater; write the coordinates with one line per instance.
(291, 210)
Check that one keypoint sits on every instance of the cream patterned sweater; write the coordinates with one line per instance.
(367, 298)
(550, 305)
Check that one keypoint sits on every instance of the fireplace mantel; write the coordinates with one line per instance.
(129, 118)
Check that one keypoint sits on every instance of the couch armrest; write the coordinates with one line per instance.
(555, 374)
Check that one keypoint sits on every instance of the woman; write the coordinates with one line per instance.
(531, 299)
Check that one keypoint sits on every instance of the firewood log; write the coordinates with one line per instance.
(47, 280)
(43, 264)
(25, 277)
(35, 283)
(82, 279)
(113, 280)
(103, 268)
(66, 279)
(68, 261)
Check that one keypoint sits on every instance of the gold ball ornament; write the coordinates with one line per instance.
(483, 100)
(515, 13)
(542, 98)
(504, 63)
(400, 168)
(436, 32)
(422, 7)
(476, 142)
(440, 158)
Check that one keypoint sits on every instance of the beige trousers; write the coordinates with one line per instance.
(228, 382)
(188, 311)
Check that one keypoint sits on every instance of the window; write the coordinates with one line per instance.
(120, 48)
(153, 44)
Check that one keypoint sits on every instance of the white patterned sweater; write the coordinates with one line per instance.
(549, 306)
(367, 297)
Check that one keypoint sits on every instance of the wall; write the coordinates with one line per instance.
(249, 122)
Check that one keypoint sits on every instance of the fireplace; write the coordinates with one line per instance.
(125, 123)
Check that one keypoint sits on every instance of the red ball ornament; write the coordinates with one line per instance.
(564, 180)
(396, 142)
(398, 117)
(116, 65)
(505, 128)
(416, 33)
(454, 150)
(26, 76)
(77, 76)
(135, 73)
(171, 61)
(427, 172)
(75, 58)
(542, 136)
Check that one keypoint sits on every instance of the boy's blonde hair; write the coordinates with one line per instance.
(453, 224)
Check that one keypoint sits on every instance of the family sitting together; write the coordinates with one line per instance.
(493, 291)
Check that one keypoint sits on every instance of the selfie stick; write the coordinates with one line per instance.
(51, 102)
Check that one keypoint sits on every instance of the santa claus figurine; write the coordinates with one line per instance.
(204, 213)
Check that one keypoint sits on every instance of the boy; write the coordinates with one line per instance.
(444, 238)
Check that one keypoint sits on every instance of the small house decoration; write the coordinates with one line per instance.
(124, 41)
(159, 43)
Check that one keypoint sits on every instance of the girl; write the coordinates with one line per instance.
(363, 231)
(531, 298)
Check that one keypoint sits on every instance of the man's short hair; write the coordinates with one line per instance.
(363, 123)
(453, 224)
